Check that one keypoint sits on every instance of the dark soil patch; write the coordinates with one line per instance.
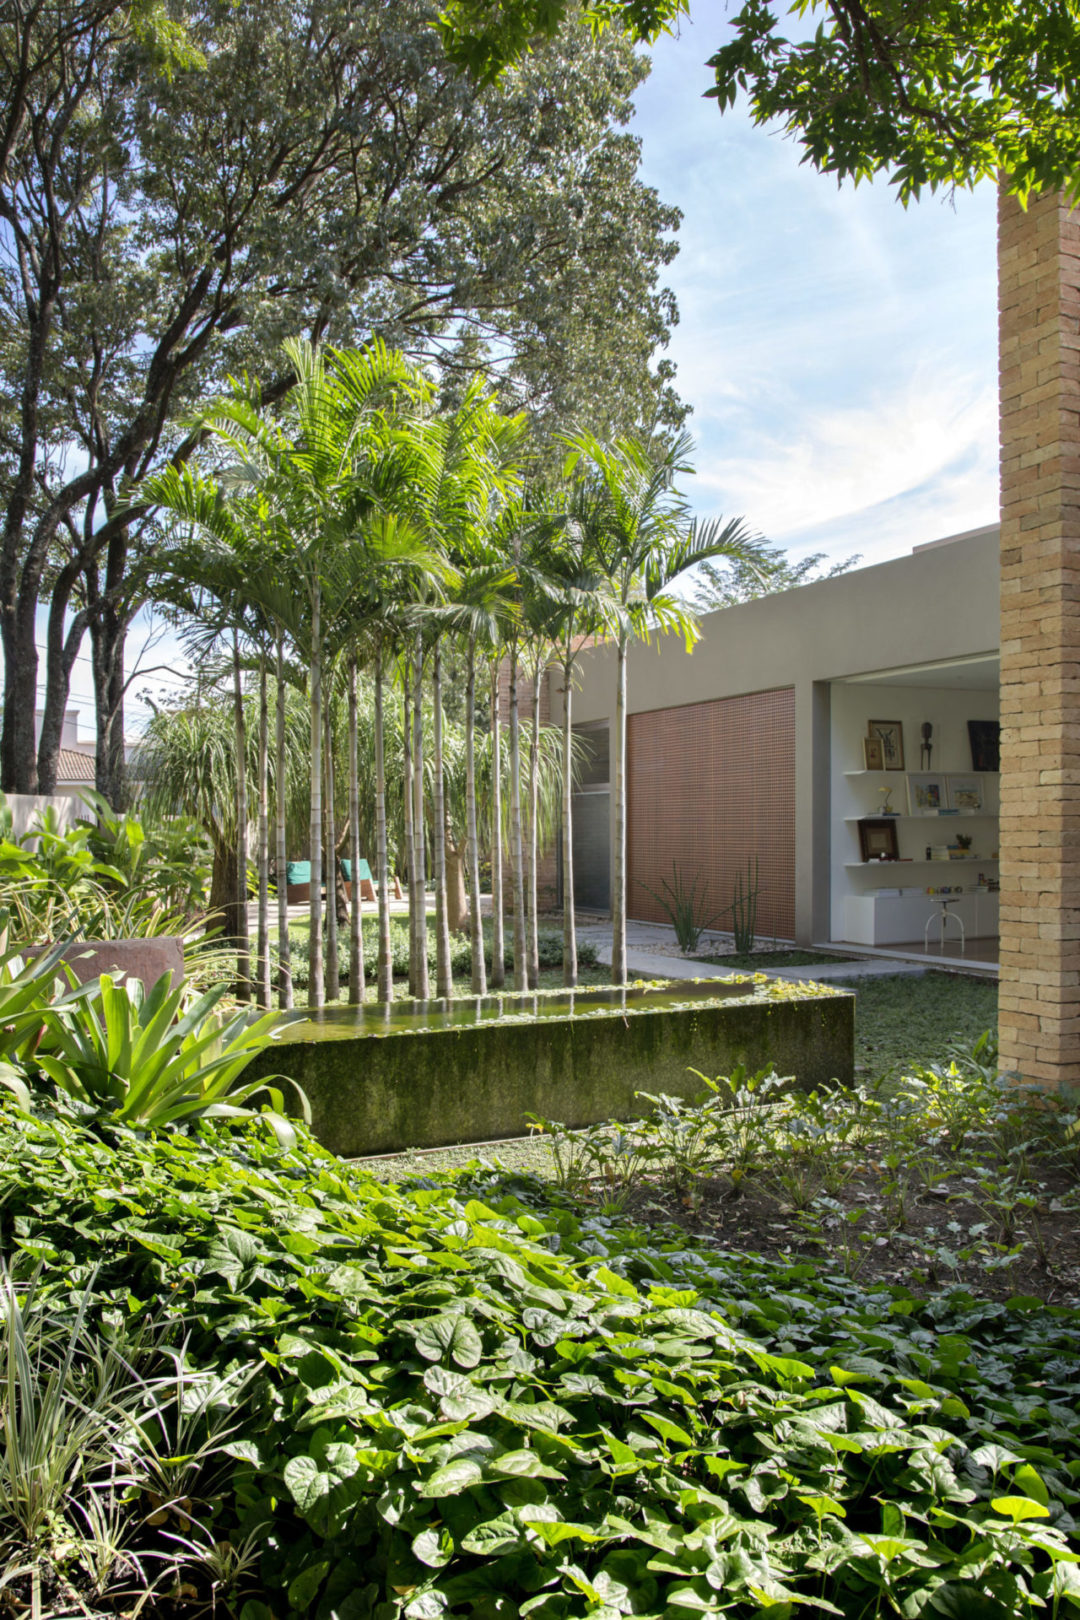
(756, 960)
(948, 1234)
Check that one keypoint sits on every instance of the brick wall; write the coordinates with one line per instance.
(1039, 300)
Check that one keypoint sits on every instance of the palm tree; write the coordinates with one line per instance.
(464, 462)
(482, 610)
(643, 541)
(309, 468)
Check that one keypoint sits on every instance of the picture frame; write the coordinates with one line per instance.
(891, 736)
(873, 754)
(877, 838)
(927, 793)
(966, 794)
(985, 739)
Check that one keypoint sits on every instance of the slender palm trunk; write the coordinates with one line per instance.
(316, 992)
(444, 978)
(498, 945)
(534, 831)
(618, 887)
(478, 977)
(356, 937)
(423, 990)
(262, 952)
(382, 857)
(410, 841)
(285, 985)
(521, 977)
(569, 932)
(333, 971)
(243, 944)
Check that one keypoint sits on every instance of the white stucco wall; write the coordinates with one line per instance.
(938, 604)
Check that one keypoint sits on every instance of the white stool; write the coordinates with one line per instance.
(944, 901)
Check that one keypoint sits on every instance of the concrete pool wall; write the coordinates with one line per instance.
(421, 1075)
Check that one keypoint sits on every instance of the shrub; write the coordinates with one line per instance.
(469, 1401)
(549, 942)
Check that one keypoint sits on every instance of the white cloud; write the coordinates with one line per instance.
(839, 352)
(932, 444)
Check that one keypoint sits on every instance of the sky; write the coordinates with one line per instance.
(839, 351)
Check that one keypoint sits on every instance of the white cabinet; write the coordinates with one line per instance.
(891, 919)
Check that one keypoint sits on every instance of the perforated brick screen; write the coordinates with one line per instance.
(711, 786)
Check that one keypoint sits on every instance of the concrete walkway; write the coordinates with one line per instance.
(643, 960)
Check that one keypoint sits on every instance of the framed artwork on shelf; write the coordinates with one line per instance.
(873, 754)
(985, 739)
(965, 793)
(890, 734)
(877, 839)
(925, 793)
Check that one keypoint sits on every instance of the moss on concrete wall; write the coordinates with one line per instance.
(376, 1094)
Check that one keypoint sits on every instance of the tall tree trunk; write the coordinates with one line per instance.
(223, 886)
(285, 984)
(423, 990)
(333, 973)
(618, 887)
(478, 975)
(382, 857)
(243, 946)
(18, 755)
(108, 625)
(356, 937)
(64, 636)
(316, 983)
(498, 943)
(410, 841)
(569, 932)
(262, 950)
(517, 875)
(534, 831)
(444, 978)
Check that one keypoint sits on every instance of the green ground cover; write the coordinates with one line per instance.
(479, 1399)
(907, 1019)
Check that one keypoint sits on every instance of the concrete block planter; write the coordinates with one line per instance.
(146, 959)
(381, 1082)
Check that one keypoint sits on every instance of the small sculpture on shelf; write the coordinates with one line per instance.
(927, 745)
(886, 802)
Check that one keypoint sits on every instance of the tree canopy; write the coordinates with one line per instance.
(183, 187)
(934, 92)
(766, 571)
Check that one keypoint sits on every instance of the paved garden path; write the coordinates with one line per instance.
(644, 960)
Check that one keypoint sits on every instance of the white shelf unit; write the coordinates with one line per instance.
(869, 918)
(910, 861)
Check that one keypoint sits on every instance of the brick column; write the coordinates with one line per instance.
(1039, 303)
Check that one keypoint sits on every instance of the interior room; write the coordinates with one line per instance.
(915, 799)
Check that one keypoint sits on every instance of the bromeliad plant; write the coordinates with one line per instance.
(155, 1059)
